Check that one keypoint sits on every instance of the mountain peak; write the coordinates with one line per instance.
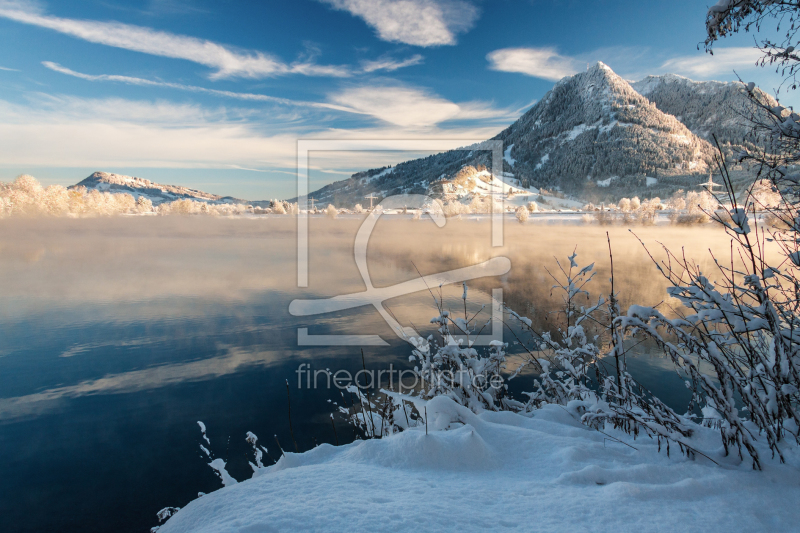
(592, 134)
(155, 192)
(600, 66)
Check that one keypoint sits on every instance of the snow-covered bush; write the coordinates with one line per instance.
(604, 217)
(278, 208)
(453, 208)
(331, 211)
(533, 207)
(522, 214)
(358, 209)
(677, 201)
(648, 209)
(144, 205)
(762, 196)
(480, 204)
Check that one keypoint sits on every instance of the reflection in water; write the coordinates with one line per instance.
(119, 334)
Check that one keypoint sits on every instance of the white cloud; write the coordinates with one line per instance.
(389, 64)
(411, 107)
(543, 63)
(192, 88)
(107, 133)
(415, 22)
(58, 131)
(9, 69)
(408, 107)
(227, 61)
(403, 106)
(723, 62)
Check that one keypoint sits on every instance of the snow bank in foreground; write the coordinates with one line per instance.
(507, 472)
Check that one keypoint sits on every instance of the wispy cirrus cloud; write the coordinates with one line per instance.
(543, 63)
(227, 61)
(723, 62)
(66, 131)
(399, 105)
(143, 82)
(413, 107)
(389, 64)
(414, 22)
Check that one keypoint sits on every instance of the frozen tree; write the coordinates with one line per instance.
(522, 214)
(728, 17)
(331, 211)
(453, 208)
(533, 207)
(677, 201)
(480, 204)
(144, 205)
(763, 195)
(648, 209)
(358, 209)
(625, 204)
(278, 208)
(635, 203)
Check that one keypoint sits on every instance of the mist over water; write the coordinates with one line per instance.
(118, 334)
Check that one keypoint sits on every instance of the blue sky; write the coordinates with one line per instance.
(215, 94)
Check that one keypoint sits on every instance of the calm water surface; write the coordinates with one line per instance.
(117, 335)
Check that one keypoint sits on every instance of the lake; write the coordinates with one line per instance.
(118, 334)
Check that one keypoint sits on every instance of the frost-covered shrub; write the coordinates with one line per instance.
(453, 208)
(522, 214)
(278, 208)
(144, 205)
(331, 211)
(533, 207)
(604, 217)
(647, 211)
(763, 195)
(358, 209)
(480, 205)
(677, 201)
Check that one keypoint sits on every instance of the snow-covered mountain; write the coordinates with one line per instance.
(593, 126)
(594, 136)
(155, 192)
(591, 136)
(705, 107)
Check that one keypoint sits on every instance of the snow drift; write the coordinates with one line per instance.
(500, 470)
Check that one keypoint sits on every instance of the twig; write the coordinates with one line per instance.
(279, 446)
(334, 430)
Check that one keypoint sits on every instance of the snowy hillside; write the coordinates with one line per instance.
(155, 192)
(504, 472)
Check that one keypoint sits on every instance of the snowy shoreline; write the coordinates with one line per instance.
(506, 471)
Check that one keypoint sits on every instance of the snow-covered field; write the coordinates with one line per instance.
(504, 472)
